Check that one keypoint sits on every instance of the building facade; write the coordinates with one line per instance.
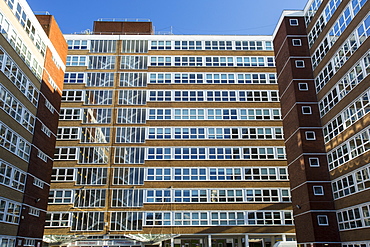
(32, 64)
(323, 66)
(169, 139)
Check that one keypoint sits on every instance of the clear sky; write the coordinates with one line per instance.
(240, 17)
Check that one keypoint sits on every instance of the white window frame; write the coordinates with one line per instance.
(322, 217)
(38, 183)
(314, 159)
(303, 86)
(318, 190)
(297, 42)
(310, 135)
(34, 211)
(293, 22)
(306, 110)
(299, 64)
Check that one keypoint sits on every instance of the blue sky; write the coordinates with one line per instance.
(250, 17)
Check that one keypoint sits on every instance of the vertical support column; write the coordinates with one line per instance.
(209, 241)
(283, 236)
(172, 242)
(272, 240)
(246, 236)
(239, 242)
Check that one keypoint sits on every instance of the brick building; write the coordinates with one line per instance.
(32, 62)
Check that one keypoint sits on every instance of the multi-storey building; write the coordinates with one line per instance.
(32, 63)
(323, 66)
(171, 139)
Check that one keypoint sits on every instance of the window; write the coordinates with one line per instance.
(350, 149)
(74, 77)
(98, 97)
(102, 62)
(65, 153)
(76, 61)
(263, 173)
(89, 198)
(303, 86)
(57, 219)
(134, 62)
(14, 143)
(160, 95)
(99, 79)
(268, 195)
(345, 85)
(127, 198)
(93, 155)
(77, 44)
(97, 115)
(355, 217)
(87, 221)
(70, 114)
(222, 174)
(12, 106)
(215, 133)
(299, 64)
(10, 211)
(297, 42)
(128, 176)
(314, 162)
(160, 114)
(129, 155)
(214, 78)
(18, 78)
(42, 156)
(269, 218)
(159, 174)
(46, 130)
(188, 45)
(213, 153)
(322, 220)
(34, 211)
(62, 174)
(318, 190)
(12, 176)
(28, 241)
(90, 176)
(348, 116)
(127, 221)
(103, 46)
(68, 133)
(186, 174)
(10, 241)
(293, 22)
(131, 97)
(130, 135)
(131, 115)
(160, 45)
(132, 79)
(188, 61)
(306, 110)
(95, 135)
(49, 106)
(354, 182)
(160, 61)
(38, 182)
(60, 196)
(310, 135)
(135, 46)
(221, 45)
